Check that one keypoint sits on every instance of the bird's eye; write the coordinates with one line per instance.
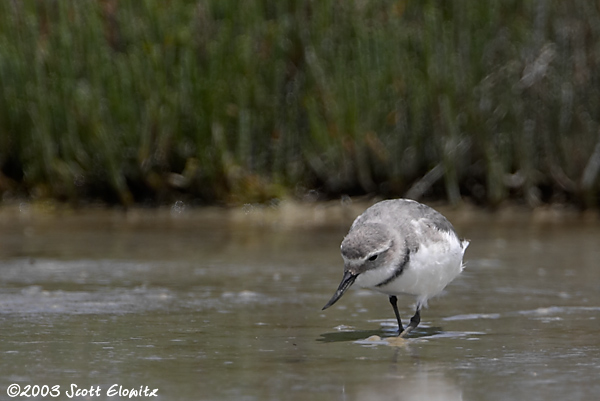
(372, 258)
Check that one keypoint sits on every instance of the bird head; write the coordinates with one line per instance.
(366, 247)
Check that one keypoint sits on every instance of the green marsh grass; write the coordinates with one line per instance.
(228, 101)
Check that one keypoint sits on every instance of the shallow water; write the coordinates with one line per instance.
(214, 305)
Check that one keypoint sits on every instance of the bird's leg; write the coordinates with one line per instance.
(394, 302)
(414, 322)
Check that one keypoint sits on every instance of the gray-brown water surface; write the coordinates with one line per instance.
(226, 305)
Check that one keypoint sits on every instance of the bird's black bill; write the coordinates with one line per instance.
(347, 281)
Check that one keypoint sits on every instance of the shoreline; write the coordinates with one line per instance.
(285, 213)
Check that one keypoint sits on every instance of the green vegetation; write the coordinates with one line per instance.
(242, 101)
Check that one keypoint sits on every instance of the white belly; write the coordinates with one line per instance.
(428, 272)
